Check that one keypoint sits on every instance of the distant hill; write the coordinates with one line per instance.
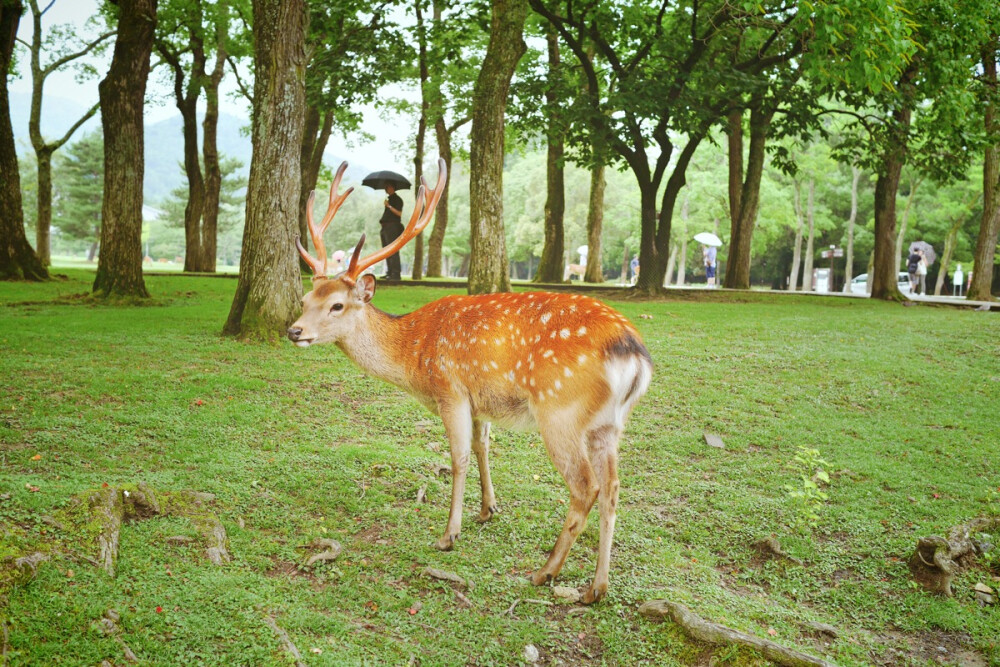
(164, 141)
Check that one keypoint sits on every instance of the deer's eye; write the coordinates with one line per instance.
(336, 307)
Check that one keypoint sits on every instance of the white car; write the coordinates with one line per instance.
(860, 283)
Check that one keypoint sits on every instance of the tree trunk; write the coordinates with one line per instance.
(196, 185)
(436, 243)
(807, 270)
(595, 223)
(488, 269)
(43, 223)
(793, 278)
(122, 92)
(317, 128)
(989, 225)
(849, 260)
(735, 157)
(270, 287)
(748, 201)
(210, 158)
(418, 159)
(550, 267)
(671, 263)
(18, 260)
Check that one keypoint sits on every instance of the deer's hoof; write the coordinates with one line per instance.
(540, 578)
(594, 593)
(487, 514)
(446, 543)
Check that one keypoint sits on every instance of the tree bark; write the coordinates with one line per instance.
(807, 269)
(210, 152)
(735, 158)
(747, 202)
(488, 269)
(18, 260)
(550, 266)
(317, 128)
(595, 223)
(793, 278)
(122, 92)
(989, 225)
(436, 243)
(418, 244)
(270, 287)
(849, 259)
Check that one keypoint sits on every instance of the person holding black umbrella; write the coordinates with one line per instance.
(392, 227)
(392, 216)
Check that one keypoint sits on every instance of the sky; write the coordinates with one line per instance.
(391, 148)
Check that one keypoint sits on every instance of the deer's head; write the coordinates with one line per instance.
(335, 306)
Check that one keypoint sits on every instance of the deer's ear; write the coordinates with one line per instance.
(366, 287)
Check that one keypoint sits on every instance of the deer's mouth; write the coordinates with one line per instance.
(303, 343)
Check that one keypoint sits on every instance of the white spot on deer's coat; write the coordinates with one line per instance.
(567, 372)
(494, 364)
(558, 384)
(582, 358)
(581, 331)
(546, 317)
(564, 333)
(547, 353)
(532, 382)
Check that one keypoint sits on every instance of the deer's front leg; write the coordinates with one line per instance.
(458, 427)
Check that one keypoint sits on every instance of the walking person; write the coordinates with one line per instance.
(708, 254)
(957, 282)
(922, 273)
(912, 262)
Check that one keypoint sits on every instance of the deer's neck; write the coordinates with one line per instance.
(374, 347)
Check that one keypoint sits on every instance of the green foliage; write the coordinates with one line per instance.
(807, 498)
(79, 183)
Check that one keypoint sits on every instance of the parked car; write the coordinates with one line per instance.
(860, 283)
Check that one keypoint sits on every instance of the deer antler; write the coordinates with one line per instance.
(318, 265)
(423, 211)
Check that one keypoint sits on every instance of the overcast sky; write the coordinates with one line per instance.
(390, 150)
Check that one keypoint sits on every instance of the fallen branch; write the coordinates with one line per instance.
(510, 610)
(286, 640)
(713, 633)
(936, 560)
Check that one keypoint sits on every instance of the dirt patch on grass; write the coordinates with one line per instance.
(287, 568)
(935, 646)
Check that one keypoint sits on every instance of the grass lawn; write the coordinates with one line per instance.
(902, 404)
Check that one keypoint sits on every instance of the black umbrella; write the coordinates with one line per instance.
(380, 179)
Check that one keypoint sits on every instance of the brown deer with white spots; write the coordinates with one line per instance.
(565, 364)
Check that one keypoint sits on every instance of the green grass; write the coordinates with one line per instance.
(298, 444)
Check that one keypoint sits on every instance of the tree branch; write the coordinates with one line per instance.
(56, 64)
(239, 81)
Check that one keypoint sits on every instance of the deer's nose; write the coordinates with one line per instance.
(294, 333)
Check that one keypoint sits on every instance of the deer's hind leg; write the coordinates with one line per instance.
(602, 445)
(481, 447)
(568, 452)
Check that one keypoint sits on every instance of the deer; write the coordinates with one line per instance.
(564, 364)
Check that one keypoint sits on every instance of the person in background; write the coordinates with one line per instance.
(634, 266)
(708, 254)
(392, 227)
(957, 281)
(922, 273)
(912, 262)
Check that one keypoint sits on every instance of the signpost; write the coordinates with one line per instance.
(834, 251)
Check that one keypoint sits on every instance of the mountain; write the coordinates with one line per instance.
(164, 141)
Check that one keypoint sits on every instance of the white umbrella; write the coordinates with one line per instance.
(708, 238)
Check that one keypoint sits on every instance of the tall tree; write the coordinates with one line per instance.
(550, 266)
(18, 259)
(668, 64)
(989, 225)
(488, 270)
(352, 51)
(270, 287)
(417, 272)
(81, 191)
(122, 92)
(191, 35)
(849, 253)
(449, 90)
(64, 55)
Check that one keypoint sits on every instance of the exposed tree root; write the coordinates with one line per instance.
(112, 506)
(936, 560)
(713, 633)
(286, 641)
